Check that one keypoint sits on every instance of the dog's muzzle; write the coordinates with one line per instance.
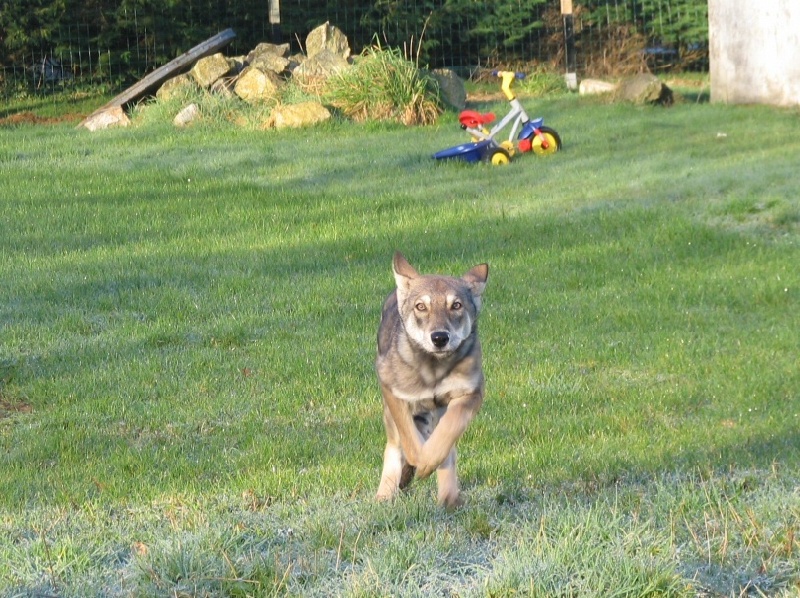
(440, 339)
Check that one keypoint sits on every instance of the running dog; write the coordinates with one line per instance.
(430, 374)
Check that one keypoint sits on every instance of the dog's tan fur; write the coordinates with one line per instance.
(429, 368)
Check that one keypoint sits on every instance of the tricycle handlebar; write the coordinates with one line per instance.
(517, 75)
(508, 78)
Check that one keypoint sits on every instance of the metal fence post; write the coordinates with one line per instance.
(571, 76)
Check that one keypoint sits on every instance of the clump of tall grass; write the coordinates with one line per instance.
(541, 81)
(384, 85)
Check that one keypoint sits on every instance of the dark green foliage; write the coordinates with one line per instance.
(679, 25)
(28, 26)
(119, 40)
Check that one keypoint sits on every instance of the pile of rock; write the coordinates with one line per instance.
(258, 77)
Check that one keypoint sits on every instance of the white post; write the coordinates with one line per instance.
(274, 12)
(570, 77)
(753, 51)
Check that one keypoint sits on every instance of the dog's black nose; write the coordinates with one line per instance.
(440, 338)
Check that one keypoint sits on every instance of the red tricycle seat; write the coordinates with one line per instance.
(473, 120)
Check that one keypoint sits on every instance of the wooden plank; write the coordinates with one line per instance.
(182, 63)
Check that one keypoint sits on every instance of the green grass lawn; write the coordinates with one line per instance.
(187, 323)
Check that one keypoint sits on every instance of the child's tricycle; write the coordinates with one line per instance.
(533, 136)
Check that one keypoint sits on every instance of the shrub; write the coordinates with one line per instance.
(542, 81)
(384, 85)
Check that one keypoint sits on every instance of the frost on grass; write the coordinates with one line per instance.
(683, 536)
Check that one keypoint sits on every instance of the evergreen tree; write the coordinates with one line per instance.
(28, 29)
(670, 22)
(137, 35)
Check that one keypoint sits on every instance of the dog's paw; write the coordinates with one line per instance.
(387, 489)
(451, 501)
(425, 469)
(430, 460)
(383, 496)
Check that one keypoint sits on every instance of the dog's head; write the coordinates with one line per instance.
(438, 312)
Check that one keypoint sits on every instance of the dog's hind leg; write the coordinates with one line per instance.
(407, 475)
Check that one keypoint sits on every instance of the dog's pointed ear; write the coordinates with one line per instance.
(402, 269)
(477, 277)
(403, 275)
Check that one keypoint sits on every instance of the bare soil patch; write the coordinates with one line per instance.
(29, 118)
(9, 407)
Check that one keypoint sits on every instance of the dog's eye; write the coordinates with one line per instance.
(420, 307)
(456, 305)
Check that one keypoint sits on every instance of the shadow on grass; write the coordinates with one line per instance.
(191, 304)
(303, 315)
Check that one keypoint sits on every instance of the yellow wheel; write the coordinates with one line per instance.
(549, 145)
(497, 157)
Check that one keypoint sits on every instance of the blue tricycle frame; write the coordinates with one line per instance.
(533, 134)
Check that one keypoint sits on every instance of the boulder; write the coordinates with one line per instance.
(269, 57)
(296, 60)
(237, 64)
(207, 70)
(175, 87)
(297, 115)
(111, 117)
(644, 89)
(254, 85)
(589, 87)
(266, 48)
(327, 37)
(186, 116)
(271, 62)
(451, 88)
(322, 65)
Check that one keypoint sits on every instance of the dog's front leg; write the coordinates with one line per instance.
(397, 471)
(447, 480)
(409, 437)
(392, 474)
(451, 426)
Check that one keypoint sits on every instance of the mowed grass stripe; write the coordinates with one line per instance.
(187, 401)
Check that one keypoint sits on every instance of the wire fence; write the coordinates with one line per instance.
(611, 37)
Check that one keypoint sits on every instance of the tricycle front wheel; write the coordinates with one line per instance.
(549, 142)
(497, 156)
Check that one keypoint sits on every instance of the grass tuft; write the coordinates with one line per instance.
(384, 85)
(542, 82)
